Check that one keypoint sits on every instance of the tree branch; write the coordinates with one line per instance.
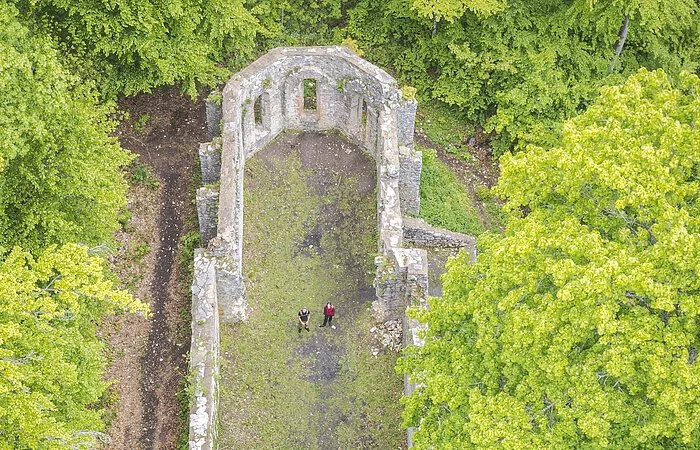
(620, 41)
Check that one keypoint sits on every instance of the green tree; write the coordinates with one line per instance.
(130, 47)
(50, 359)
(521, 68)
(578, 328)
(297, 22)
(60, 179)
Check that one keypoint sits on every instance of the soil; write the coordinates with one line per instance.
(148, 363)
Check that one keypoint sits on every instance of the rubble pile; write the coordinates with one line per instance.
(389, 335)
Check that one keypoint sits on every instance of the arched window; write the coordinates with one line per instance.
(258, 112)
(310, 94)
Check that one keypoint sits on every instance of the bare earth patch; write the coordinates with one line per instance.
(147, 356)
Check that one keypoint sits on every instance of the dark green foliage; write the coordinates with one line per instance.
(521, 71)
(130, 47)
(297, 22)
(60, 168)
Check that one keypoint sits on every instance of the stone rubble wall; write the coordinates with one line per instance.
(210, 161)
(207, 210)
(411, 162)
(418, 233)
(204, 354)
(214, 115)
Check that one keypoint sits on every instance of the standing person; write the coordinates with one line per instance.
(328, 313)
(304, 315)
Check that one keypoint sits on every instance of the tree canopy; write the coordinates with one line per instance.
(50, 358)
(578, 328)
(60, 167)
(520, 68)
(129, 47)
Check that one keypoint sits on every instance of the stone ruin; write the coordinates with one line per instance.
(307, 88)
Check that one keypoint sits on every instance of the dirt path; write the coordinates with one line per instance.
(310, 235)
(149, 355)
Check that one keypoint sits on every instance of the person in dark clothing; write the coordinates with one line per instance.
(328, 313)
(304, 315)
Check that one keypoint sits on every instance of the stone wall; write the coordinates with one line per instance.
(418, 233)
(207, 211)
(411, 162)
(214, 114)
(353, 96)
(204, 354)
(210, 161)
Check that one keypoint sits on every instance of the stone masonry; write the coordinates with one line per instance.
(272, 95)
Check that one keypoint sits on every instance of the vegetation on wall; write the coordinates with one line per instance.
(578, 328)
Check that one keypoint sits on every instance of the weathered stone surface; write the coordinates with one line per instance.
(419, 233)
(411, 163)
(230, 289)
(406, 122)
(210, 161)
(204, 354)
(214, 114)
(207, 211)
(402, 277)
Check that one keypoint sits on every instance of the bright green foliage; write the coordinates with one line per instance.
(579, 328)
(444, 201)
(129, 47)
(50, 358)
(450, 10)
(60, 179)
(521, 70)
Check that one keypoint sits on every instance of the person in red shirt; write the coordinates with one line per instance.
(328, 313)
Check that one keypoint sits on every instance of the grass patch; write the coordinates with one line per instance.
(445, 202)
(319, 389)
(140, 124)
(445, 127)
(142, 174)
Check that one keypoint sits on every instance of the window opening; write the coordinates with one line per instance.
(363, 116)
(257, 111)
(310, 94)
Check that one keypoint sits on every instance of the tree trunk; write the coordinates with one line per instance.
(621, 41)
(434, 25)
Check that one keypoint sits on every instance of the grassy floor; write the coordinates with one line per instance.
(320, 389)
